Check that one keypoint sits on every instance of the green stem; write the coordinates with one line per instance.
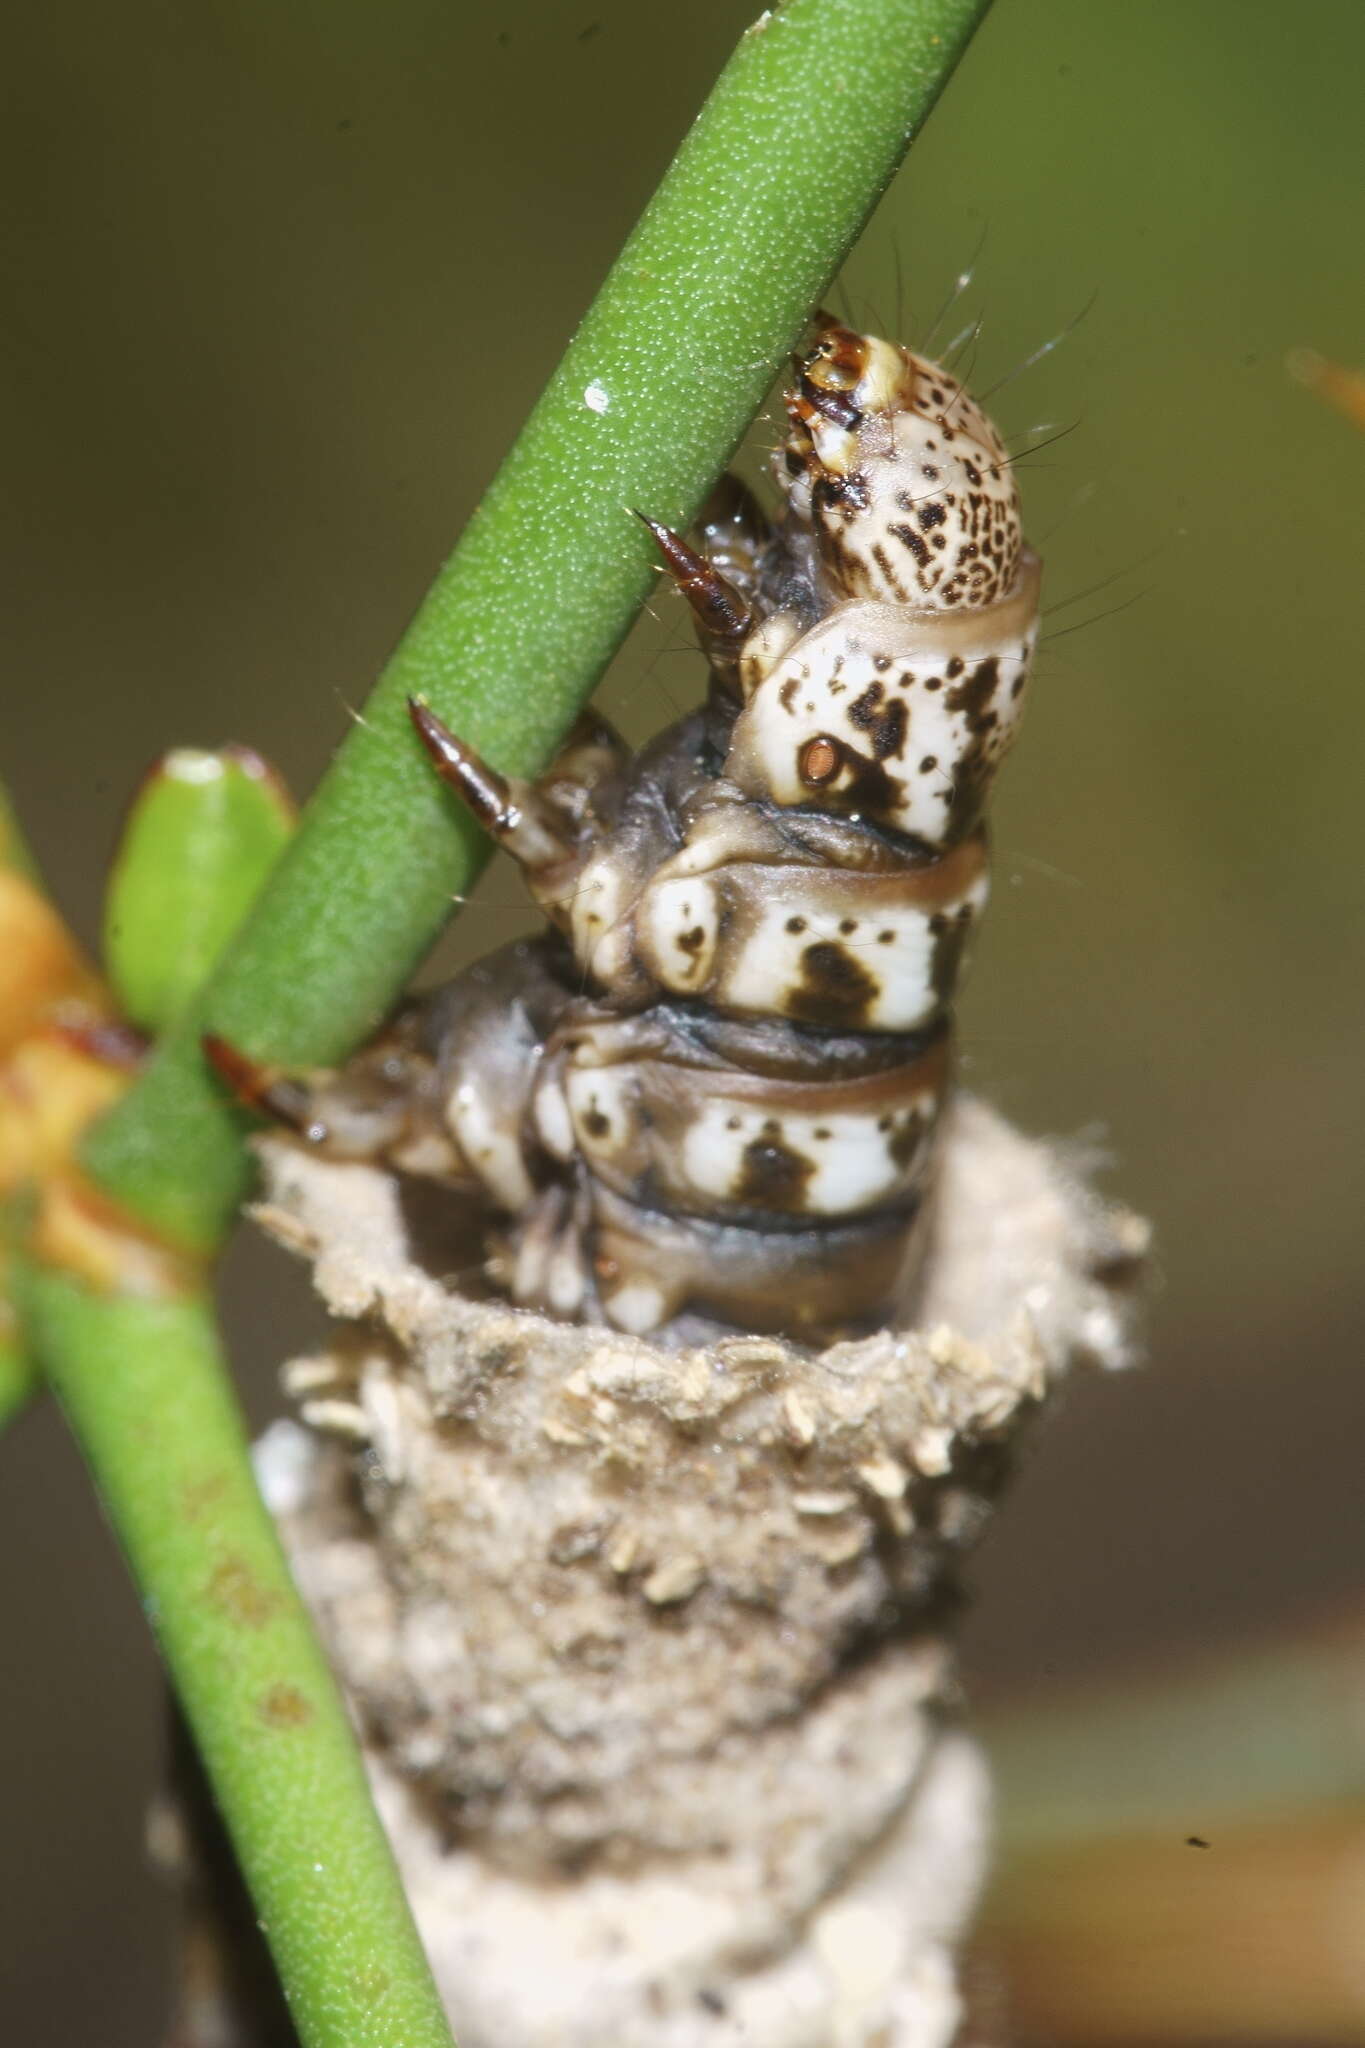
(804, 129)
(145, 1389)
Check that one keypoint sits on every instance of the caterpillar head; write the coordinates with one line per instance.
(905, 484)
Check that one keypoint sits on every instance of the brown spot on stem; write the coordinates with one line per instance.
(234, 1588)
(197, 1496)
(284, 1706)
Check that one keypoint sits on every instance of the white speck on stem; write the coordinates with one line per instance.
(596, 397)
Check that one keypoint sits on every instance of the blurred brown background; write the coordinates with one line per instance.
(281, 282)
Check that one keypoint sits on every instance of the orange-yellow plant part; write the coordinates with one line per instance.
(65, 1057)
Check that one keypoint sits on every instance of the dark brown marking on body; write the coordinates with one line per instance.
(693, 941)
(883, 561)
(835, 986)
(595, 1124)
(772, 1175)
(973, 697)
(911, 541)
(831, 406)
(884, 724)
(904, 1141)
(870, 788)
(949, 932)
(845, 494)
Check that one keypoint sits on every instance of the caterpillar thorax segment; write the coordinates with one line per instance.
(712, 1089)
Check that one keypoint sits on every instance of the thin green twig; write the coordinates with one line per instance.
(148, 1396)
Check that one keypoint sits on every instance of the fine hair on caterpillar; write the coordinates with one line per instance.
(711, 1090)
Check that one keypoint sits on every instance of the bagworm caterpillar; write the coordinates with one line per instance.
(712, 1087)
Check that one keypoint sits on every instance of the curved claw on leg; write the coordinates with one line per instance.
(507, 808)
(722, 614)
(382, 1105)
(269, 1090)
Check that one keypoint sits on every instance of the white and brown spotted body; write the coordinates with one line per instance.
(713, 1088)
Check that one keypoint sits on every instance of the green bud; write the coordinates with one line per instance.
(203, 832)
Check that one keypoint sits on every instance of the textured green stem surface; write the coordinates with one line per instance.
(796, 143)
(146, 1392)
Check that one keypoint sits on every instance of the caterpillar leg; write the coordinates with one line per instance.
(511, 811)
(444, 1092)
(723, 616)
(546, 1259)
(541, 824)
(736, 535)
(380, 1106)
